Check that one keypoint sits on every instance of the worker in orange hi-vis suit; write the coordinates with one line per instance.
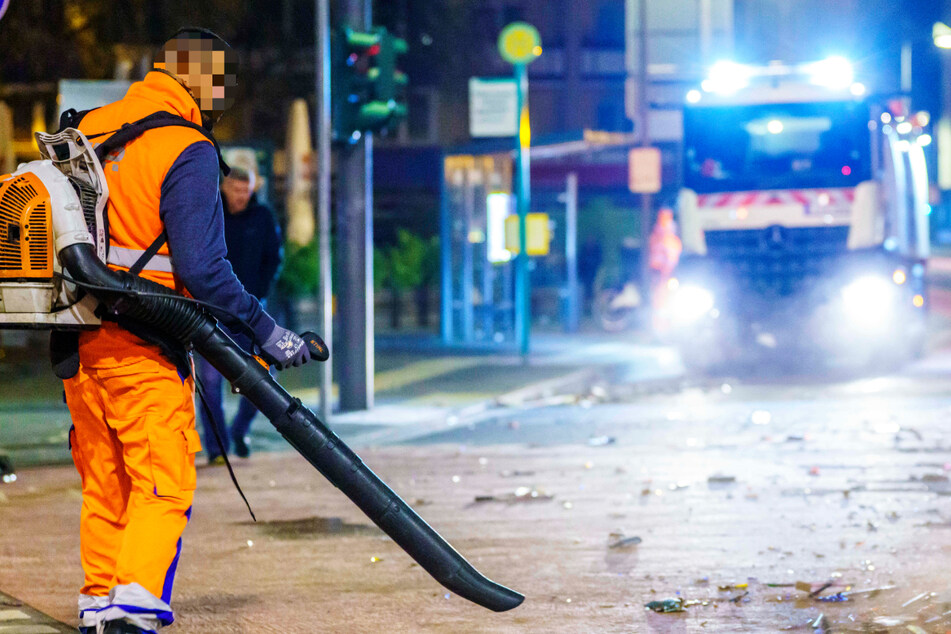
(133, 438)
(664, 249)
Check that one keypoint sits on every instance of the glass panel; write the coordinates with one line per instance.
(776, 146)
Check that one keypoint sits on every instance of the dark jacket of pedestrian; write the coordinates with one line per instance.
(254, 244)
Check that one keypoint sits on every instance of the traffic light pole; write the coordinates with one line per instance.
(643, 117)
(355, 228)
(322, 196)
(523, 291)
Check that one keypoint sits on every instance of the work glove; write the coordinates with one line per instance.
(284, 348)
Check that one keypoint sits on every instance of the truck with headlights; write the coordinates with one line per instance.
(804, 219)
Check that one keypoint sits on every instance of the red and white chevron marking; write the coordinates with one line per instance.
(808, 197)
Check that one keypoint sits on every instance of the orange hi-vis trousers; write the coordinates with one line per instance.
(133, 442)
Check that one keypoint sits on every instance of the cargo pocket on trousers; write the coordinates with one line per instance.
(77, 457)
(192, 446)
(173, 471)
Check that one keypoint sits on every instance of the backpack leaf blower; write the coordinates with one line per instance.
(53, 275)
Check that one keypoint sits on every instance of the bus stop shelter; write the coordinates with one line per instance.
(478, 273)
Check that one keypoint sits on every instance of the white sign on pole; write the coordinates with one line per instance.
(493, 107)
(644, 170)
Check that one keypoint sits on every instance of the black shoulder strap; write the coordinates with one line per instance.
(149, 253)
(131, 131)
(71, 118)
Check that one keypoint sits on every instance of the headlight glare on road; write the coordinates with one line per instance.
(689, 303)
(869, 301)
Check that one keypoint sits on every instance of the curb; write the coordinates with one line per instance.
(452, 417)
(17, 617)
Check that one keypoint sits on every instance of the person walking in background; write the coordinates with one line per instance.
(255, 251)
(664, 249)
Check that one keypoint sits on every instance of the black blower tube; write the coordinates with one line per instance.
(193, 326)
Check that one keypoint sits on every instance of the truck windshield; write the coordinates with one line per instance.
(776, 146)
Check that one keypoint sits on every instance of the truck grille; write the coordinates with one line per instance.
(777, 261)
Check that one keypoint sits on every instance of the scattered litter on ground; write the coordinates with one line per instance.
(521, 494)
(626, 542)
(514, 473)
(871, 592)
(733, 586)
(739, 597)
(721, 479)
(916, 599)
(601, 441)
(666, 605)
(375, 560)
(761, 417)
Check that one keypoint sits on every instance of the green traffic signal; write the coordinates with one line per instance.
(358, 40)
(367, 90)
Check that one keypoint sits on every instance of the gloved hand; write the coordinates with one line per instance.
(284, 349)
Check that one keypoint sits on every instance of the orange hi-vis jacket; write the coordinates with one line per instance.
(134, 175)
(134, 438)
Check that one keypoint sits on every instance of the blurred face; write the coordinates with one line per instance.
(237, 194)
(207, 69)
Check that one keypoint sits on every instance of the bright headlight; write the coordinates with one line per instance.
(832, 72)
(689, 303)
(726, 78)
(869, 301)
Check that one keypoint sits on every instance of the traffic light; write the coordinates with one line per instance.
(367, 90)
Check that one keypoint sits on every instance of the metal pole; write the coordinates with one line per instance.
(523, 318)
(468, 259)
(355, 228)
(643, 114)
(322, 194)
(571, 251)
(445, 260)
(706, 30)
(906, 68)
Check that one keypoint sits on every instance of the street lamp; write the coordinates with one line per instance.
(941, 34)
